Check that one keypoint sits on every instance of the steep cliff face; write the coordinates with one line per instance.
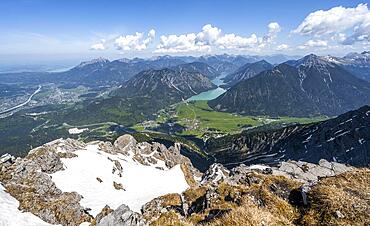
(345, 139)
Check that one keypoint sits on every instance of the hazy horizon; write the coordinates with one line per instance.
(67, 32)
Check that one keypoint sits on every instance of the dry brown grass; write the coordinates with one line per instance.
(249, 214)
(348, 193)
(191, 194)
(188, 175)
(173, 199)
(260, 205)
(250, 205)
(170, 218)
(266, 203)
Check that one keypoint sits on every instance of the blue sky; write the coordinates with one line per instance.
(82, 29)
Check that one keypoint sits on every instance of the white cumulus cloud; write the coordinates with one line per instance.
(212, 37)
(136, 41)
(282, 47)
(98, 46)
(314, 44)
(274, 29)
(181, 43)
(208, 35)
(232, 41)
(337, 21)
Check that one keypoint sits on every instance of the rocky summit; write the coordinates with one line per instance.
(68, 182)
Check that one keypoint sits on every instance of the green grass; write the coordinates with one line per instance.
(302, 120)
(200, 119)
(203, 118)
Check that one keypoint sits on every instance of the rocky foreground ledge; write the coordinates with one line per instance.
(67, 182)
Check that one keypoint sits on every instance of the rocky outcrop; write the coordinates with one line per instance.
(308, 172)
(7, 159)
(257, 194)
(280, 192)
(28, 181)
(122, 216)
(215, 174)
(153, 209)
(303, 172)
(150, 153)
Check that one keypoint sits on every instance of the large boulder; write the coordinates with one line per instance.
(122, 216)
(309, 172)
(125, 143)
(215, 174)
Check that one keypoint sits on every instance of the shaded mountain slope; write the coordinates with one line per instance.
(246, 71)
(345, 139)
(310, 87)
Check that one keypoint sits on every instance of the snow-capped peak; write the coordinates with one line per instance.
(313, 60)
(332, 59)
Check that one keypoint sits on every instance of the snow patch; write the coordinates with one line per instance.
(77, 130)
(141, 183)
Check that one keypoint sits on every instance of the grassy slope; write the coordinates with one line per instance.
(200, 119)
(208, 118)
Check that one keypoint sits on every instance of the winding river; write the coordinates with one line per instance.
(22, 104)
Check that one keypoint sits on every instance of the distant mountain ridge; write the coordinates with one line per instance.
(102, 71)
(142, 97)
(356, 63)
(164, 83)
(305, 87)
(247, 71)
(200, 67)
(117, 71)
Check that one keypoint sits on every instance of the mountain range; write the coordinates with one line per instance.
(199, 67)
(166, 85)
(356, 63)
(248, 70)
(141, 97)
(269, 172)
(306, 87)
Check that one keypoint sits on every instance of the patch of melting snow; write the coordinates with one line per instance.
(331, 139)
(361, 141)
(343, 133)
(141, 183)
(307, 139)
(76, 130)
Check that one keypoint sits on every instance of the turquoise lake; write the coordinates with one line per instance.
(211, 94)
